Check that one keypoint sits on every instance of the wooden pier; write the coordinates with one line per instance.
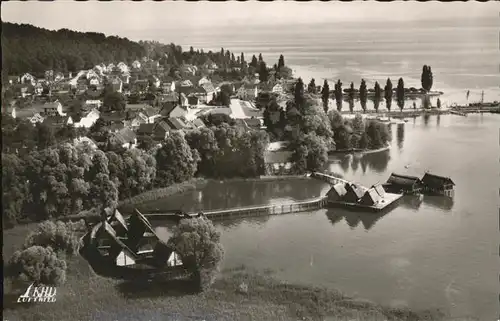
(456, 112)
(332, 180)
(249, 211)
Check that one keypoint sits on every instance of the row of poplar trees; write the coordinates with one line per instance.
(426, 80)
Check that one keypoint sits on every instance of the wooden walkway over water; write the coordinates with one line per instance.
(330, 179)
(248, 211)
(271, 209)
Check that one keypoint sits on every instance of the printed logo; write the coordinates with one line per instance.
(38, 294)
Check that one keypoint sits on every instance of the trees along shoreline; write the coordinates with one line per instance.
(399, 94)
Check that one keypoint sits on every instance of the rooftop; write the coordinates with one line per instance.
(282, 156)
(431, 179)
(125, 136)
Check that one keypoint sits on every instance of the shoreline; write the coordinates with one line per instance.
(358, 152)
(257, 294)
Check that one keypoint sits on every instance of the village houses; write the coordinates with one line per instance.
(149, 114)
(136, 64)
(117, 84)
(125, 138)
(28, 79)
(123, 67)
(278, 89)
(89, 119)
(168, 87)
(110, 67)
(209, 91)
(247, 92)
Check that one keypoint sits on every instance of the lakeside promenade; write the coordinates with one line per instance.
(485, 108)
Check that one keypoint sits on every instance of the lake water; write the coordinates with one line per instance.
(433, 253)
(464, 55)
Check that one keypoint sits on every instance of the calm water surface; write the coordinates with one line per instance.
(463, 54)
(433, 253)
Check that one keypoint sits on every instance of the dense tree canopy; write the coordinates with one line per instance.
(176, 161)
(133, 171)
(14, 188)
(27, 48)
(358, 133)
(60, 236)
(66, 179)
(229, 151)
(114, 101)
(37, 264)
(198, 243)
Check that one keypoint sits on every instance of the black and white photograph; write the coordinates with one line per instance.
(253, 161)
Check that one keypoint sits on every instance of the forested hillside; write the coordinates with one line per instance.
(26, 48)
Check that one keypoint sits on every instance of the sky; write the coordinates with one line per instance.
(123, 18)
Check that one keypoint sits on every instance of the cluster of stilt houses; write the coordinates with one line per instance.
(129, 249)
(379, 197)
(429, 184)
(351, 195)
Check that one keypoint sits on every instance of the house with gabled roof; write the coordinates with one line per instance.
(353, 192)
(155, 81)
(145, 129)
(58, 76)
(370, 198)
(379, 189)
(438, 185)
(403, 183)
(84, 140)
(110, 67)
(99, 69)
(247, 92)
(113, 117)
(89, 119)
(168, 87)
(193, 100)
(189, 69)
(161, 130)
(177, 123)
(51, 109)
(140, 85)
(277, 162)
(117, 84)
(115, 127)
(176, 111)
(124, 137)
(336, 192)
(94, 81)
(149, 114)
(28, 79)
(208, 91)
(198, 123)
(278, 89)
(185, 83)
(203, 81)
(58, 121)
(136, 64)
(123, 67)
(167, 100)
